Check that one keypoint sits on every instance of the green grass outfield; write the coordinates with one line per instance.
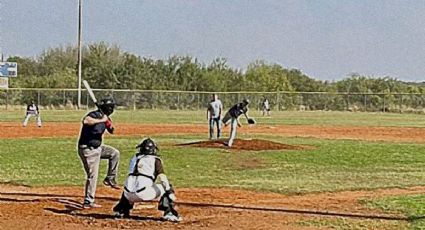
(327, 118)
(334, 165)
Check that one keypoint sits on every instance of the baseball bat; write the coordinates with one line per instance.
(90, 91)
(93, 97)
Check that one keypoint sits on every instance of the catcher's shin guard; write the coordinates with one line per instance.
(166, 204)
(122, 209)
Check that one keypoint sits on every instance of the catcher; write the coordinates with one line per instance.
(145, 168)
(232, 118)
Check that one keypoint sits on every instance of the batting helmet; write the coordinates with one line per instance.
(148, 147)
(107, 106)
(245, 101)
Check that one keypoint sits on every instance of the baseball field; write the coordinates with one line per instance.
(293, 170)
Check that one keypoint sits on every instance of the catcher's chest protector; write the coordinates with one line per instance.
(144, 164)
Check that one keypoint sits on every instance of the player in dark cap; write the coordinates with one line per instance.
(91, 150)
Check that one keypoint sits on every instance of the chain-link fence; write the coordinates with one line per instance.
(151, 99)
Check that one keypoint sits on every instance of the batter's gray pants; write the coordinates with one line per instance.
(91, 160)
(233, 126)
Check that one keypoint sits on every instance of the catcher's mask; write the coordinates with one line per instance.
(107, 106)
(245, 101)
(148, 147)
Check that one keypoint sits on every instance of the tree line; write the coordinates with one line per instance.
(107, 66)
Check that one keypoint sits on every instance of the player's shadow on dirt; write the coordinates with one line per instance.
(101, 216)
(49, 196)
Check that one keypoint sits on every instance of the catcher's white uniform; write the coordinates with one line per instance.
(140, 184)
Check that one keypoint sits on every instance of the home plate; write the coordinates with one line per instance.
(144, 206)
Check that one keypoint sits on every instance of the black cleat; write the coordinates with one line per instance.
(111, 183)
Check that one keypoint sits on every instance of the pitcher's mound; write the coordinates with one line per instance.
(249, 145)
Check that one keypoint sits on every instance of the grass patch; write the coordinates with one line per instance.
(327, 118)
(334, 164)
(412, 206)
(353, 224)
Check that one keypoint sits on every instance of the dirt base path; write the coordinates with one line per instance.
(58, 208)
(66, 129)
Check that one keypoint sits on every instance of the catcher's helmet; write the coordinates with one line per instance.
(245, 101)
(148, 147)
(107, 106)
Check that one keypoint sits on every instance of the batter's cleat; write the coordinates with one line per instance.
(111, 183)
(91, 205)
(171, 217)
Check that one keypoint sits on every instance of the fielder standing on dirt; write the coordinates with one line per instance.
(215, 108)
(145, 167)
(232, 118)
(91, 150)
(32, 110)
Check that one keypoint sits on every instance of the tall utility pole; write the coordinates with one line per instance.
(80, 42)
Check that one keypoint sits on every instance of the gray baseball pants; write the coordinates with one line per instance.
(90, 158)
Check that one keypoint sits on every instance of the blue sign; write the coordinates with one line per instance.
(8, 69)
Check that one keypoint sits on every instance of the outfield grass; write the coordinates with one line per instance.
(199, 117)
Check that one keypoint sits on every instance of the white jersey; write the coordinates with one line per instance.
(214, 108)
(146, 165)
(266, 104)
(143, 170)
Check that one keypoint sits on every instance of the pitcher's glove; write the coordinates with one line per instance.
(251, 121)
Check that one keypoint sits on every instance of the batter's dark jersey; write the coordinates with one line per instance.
(92, 135)
(238, 110)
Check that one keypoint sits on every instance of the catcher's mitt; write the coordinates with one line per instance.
(251, 121)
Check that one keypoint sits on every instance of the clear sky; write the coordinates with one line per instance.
(326, 39)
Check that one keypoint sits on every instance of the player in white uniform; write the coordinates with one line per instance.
(215, 108)
(32, 110)
(266, 107)
(145, 168)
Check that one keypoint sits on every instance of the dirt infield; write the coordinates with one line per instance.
(246, 145)
(58, 208)
(64, 129)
